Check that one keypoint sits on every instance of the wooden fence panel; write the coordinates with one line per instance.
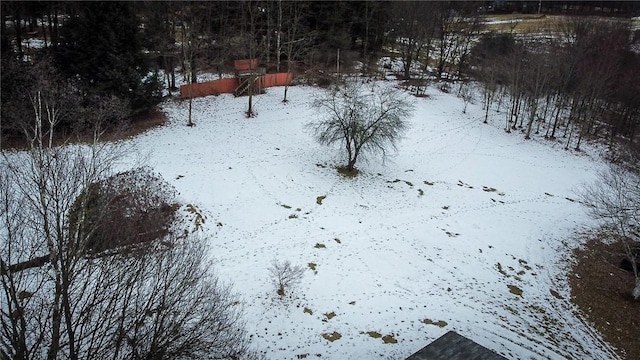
(215, 87)
(228, 86)
(279, 79)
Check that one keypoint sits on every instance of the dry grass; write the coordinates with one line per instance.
(348, 173)
(523, 23)
(138, 125)
(534, 23)
(602, 291)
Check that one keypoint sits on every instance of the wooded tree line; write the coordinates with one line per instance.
(582, 79)
(575, 78)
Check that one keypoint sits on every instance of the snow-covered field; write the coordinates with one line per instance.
(442, 236)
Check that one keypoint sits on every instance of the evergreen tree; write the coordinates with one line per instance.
(101, 48)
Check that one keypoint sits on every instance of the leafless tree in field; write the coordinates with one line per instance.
(614, 199)
(284, 275)
(361, 120)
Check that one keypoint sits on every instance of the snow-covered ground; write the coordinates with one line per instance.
(448, 231)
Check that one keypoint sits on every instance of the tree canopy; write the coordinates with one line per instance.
(101, 47)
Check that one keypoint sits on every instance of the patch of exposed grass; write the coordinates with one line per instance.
(332, 336)
(199, 219)
(374, 334)
(512, 310)
(501, 270)
(320, 246)
(515, 290)
(428, 183)
(524, 264)
(348, 173)
(603, 293)
(523, 23)
(389, 339)
(556, 294)
(293, 216)
(22, 295)
(285, 206)
(320, 198)
(329, 316)
(439, 323)
(307, 311)
(312, 266)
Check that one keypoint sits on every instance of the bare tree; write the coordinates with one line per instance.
(535, 81)
(190, 48)
(146, 295)
(415, 31)
(295, 42)
(466, 93)
(67, 290)
(361, 120)
(615, 200)
(284, 275)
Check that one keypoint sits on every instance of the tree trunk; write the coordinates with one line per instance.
(557, 118)
(18, 29)
(279, 43)
(351, 164)
(534, 108)
(56, 318)
(44, 32)
(190, 123)
(193, 69)
(24, 265)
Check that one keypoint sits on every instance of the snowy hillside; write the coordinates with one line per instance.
(467, 228)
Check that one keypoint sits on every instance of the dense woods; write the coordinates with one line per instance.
(574, 79)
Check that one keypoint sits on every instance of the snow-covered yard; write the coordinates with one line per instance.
(467, 228)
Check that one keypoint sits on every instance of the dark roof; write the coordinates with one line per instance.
(453, 346)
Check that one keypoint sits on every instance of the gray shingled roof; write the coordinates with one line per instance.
(453, 346)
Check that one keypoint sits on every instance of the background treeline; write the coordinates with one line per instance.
(576, 78)
(579, 79)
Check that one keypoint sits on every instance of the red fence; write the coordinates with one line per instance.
(279, 79)
(228, 86)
